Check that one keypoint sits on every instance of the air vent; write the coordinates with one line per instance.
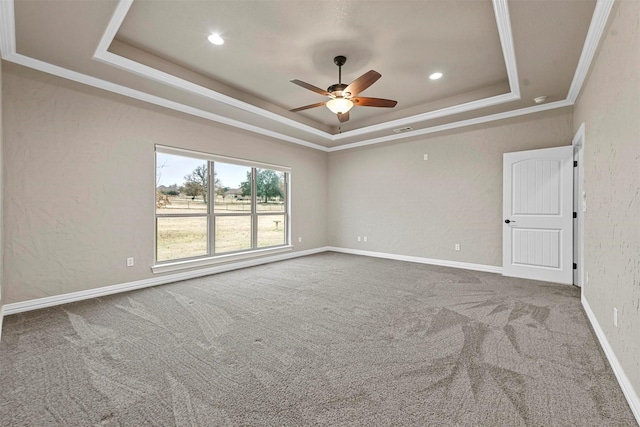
(403, 130)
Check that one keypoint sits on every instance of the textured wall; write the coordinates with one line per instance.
(80, 177)
(609, 105)
(408, 206)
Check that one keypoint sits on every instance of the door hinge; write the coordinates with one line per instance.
(575, 163)
(575, 266)
(575, 214)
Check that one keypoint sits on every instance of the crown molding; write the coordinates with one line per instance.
(598, 22)
(594, 34)
(7, 29)
(114, 25)
(455, 125)
(152, 99)
(102, 54)
(430, 115)
(503, 20)
(504, 30)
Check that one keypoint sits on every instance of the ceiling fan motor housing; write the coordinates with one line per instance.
(337, 89)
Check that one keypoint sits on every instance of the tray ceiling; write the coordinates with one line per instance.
(496, 57)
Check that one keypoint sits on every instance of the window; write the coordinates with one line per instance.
(245, 210)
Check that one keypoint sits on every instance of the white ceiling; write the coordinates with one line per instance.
(496, 57)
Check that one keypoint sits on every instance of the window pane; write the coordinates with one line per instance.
(181, 237)
(181, 184)
(233, 233)
(271, 230)
(232, 188)
(270, 189)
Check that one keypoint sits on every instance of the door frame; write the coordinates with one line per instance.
(579, 207)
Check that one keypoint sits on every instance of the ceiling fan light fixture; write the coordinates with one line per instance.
(339, 105)
(343, 96)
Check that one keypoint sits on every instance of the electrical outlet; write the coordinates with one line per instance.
(365, 238)
(299, 239)
(358, 238)
(615, 317)
(426, 157)
(130, 262)
(457, 246)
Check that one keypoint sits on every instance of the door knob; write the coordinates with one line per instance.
(507, 221)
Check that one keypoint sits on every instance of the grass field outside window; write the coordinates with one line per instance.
(244, 210)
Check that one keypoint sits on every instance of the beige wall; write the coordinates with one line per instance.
(79, 187)
(609, 105)
(408, 206)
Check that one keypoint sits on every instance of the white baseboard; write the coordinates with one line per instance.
(34, 304)
(421, 260)
(19, 307)
(7, 309)
(628, 390)
(1, 318)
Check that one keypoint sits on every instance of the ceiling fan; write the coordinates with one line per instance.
(344, 97)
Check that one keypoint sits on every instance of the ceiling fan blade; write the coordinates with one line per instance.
(310, 87)
(343, 117)
(306, 107)
(374, 102)
(362, 82)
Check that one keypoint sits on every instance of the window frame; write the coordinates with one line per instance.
(211, 257)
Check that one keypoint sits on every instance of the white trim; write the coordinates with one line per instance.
(596, 27)
(114, 25)
(1, 319)
(110, 58)
(430, 115)
(218, 259)
(506, 39)
(152, 99)
(196, 89)
(626, 386)
(503, 20)
(420, 260)
(35, 304)
(7, 28)
(455, 125)
(601, 13)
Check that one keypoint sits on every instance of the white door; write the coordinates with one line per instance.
(537, 232)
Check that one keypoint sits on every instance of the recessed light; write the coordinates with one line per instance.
(540, 99)
(215, 39)
(435, 76)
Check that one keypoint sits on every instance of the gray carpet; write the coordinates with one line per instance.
(327, 340)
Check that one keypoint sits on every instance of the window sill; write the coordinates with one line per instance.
(219, 259)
